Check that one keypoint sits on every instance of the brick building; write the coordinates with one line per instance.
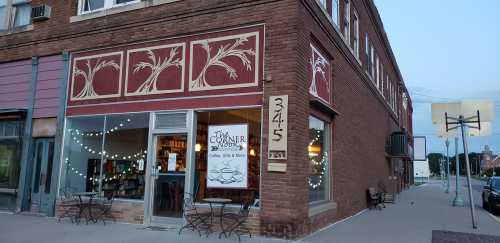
(146, 99)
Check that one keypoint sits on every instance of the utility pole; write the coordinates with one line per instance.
(457, 201)
(462, 121)
(447, 143)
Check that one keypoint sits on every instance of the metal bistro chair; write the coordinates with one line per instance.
(104, 205)
(238, 225)
(375, 199)
(68, 206)
(194, 219)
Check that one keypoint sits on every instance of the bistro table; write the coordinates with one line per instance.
(218, 201)
(82, 205)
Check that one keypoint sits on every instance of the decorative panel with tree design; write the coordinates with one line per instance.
(96, 76)
(320, 75)
(224, 62)
(193, 71)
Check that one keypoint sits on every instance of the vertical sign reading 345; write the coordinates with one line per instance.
(278, 127)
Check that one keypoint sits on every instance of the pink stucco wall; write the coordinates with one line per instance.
(50, 71)
(15, 85)
(15, 80)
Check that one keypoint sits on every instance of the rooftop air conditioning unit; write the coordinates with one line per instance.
(41, 12)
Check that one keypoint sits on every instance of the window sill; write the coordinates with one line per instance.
(319, 208)
(118, 9)
(17, 30)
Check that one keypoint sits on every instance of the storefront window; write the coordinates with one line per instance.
(236, 174)
(318, 159)
(106, 154)
(10, 150)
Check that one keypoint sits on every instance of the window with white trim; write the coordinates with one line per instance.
(367, 54)
(372, 57)
(355, 23)
(14, 14)
(377, 74)
(347, 21)
(89, 6)
(405, 101)
(335, 12)
(322, 3)
(381, 77)
(386, 86)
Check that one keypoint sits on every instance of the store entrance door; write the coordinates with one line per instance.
(168, 178)
(43, 158)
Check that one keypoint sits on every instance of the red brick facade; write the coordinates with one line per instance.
(360, 128)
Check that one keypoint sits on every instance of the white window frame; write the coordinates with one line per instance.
(356, 33)
(322, 3)
(387, 83)
(381, 76)
(377, 74)
(7, 24)
(346, 30)
(367, 53)
(372, 57)
(107, 5)
(335, 12)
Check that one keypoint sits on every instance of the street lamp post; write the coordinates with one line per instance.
(447, 143)
(457, 201)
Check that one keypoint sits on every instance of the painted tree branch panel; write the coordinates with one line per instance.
(320, 75)
(169, 73)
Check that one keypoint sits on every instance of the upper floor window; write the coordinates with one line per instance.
(15, 13)
(335, 12)
(372, 61)
(367, 54)
(381, 77)
(88, 6)
(384, 85)
(405, 101)
(347, 21)
(322, 3)
(355, 25)
(377, 74)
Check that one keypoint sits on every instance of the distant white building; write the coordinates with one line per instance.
(421, 171)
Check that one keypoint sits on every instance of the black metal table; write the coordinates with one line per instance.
(83, 205)
(222, 202)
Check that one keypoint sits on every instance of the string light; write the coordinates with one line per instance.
(104, 178)
(323, 162)
(95, 134)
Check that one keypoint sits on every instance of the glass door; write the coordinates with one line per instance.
(42, 175)
(168, 176)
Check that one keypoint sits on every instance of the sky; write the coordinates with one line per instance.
(447, 50)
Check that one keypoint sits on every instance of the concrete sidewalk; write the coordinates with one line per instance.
(32, 229)
(415, 215)
(412, 219)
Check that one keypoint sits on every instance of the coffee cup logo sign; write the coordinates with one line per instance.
(227, 156)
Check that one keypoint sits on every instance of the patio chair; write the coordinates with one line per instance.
(104, 206)
(195, 221)
(375, 199)
(238, 225)
(387, 197)
(68, 206)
